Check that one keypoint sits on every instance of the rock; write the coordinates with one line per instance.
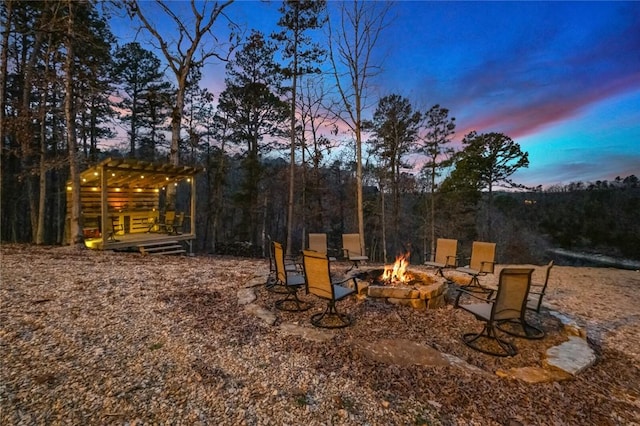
(534, 374)
(393, 292)
(414, 303)
(308, 333)
(573, 356)
(265, 315)
(246, 296)
(571, 327)
(257, 281)
(406, 353)
(458, 362)
(436, 302)
(432, 290)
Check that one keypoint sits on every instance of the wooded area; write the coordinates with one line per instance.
(270, 170)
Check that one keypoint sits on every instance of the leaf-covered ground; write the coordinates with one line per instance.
(115, 338)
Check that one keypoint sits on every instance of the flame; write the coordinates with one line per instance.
(397, 272)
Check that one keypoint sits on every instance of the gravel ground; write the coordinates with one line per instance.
(94, 338)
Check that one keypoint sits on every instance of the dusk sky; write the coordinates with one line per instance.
(561, 79)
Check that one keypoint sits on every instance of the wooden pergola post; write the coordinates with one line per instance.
(104, 203)
(192, 208)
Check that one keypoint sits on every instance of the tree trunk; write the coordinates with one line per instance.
(432, 212)
(176, 122)
(359, 196)
(292, 164)
(4, 58)
(40, 226)
(76, 237)
(384, 225)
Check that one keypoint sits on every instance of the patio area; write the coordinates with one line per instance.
(102, 337)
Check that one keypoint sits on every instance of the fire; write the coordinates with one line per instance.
(397, 272)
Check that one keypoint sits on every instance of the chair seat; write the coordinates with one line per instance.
(480, 310)
(468, 270)
(435, 264)
(358, 258)
(342, 292)
(295, 279)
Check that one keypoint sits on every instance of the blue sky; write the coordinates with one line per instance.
(560, 78)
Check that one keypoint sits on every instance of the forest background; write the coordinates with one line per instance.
(291, 145)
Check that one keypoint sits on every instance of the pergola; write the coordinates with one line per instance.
(124, 202)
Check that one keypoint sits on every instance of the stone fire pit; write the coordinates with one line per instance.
(422, 291)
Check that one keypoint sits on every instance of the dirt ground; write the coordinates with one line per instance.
(117, 338)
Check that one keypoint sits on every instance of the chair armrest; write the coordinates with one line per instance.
(355, 282)
(473, 294)
(489, 269)
(455, 261)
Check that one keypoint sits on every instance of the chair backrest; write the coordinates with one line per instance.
(446, 251)
(513, 288)
(318, 242)
(316, 274)
(482, 252)
(351, 243)
(113, 224)
(278, 255)
(169, 217)
(178, 219)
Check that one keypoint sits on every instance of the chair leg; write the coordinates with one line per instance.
(520, 328)
(475, 282)
(291, 303)
(488, 335)
(275, 286)
(331, 318)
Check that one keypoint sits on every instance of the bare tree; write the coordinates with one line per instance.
(315, 150)
(438, 131)
(6, 24)
(70, 118)
(298, 18)
(351, 45)
(182, 53)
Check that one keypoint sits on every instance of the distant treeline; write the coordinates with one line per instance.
(594, 217)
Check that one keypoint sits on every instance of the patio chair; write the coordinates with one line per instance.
(318, 282)
(537, 291)
(175, 227)
(318, 242)
(482, 262)
(352, 250)
(292, 282)
(114, 227)
(509, 305)
(272, 283)
(445, 256)
(165, 226)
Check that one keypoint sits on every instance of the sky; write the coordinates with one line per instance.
(562, 79)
